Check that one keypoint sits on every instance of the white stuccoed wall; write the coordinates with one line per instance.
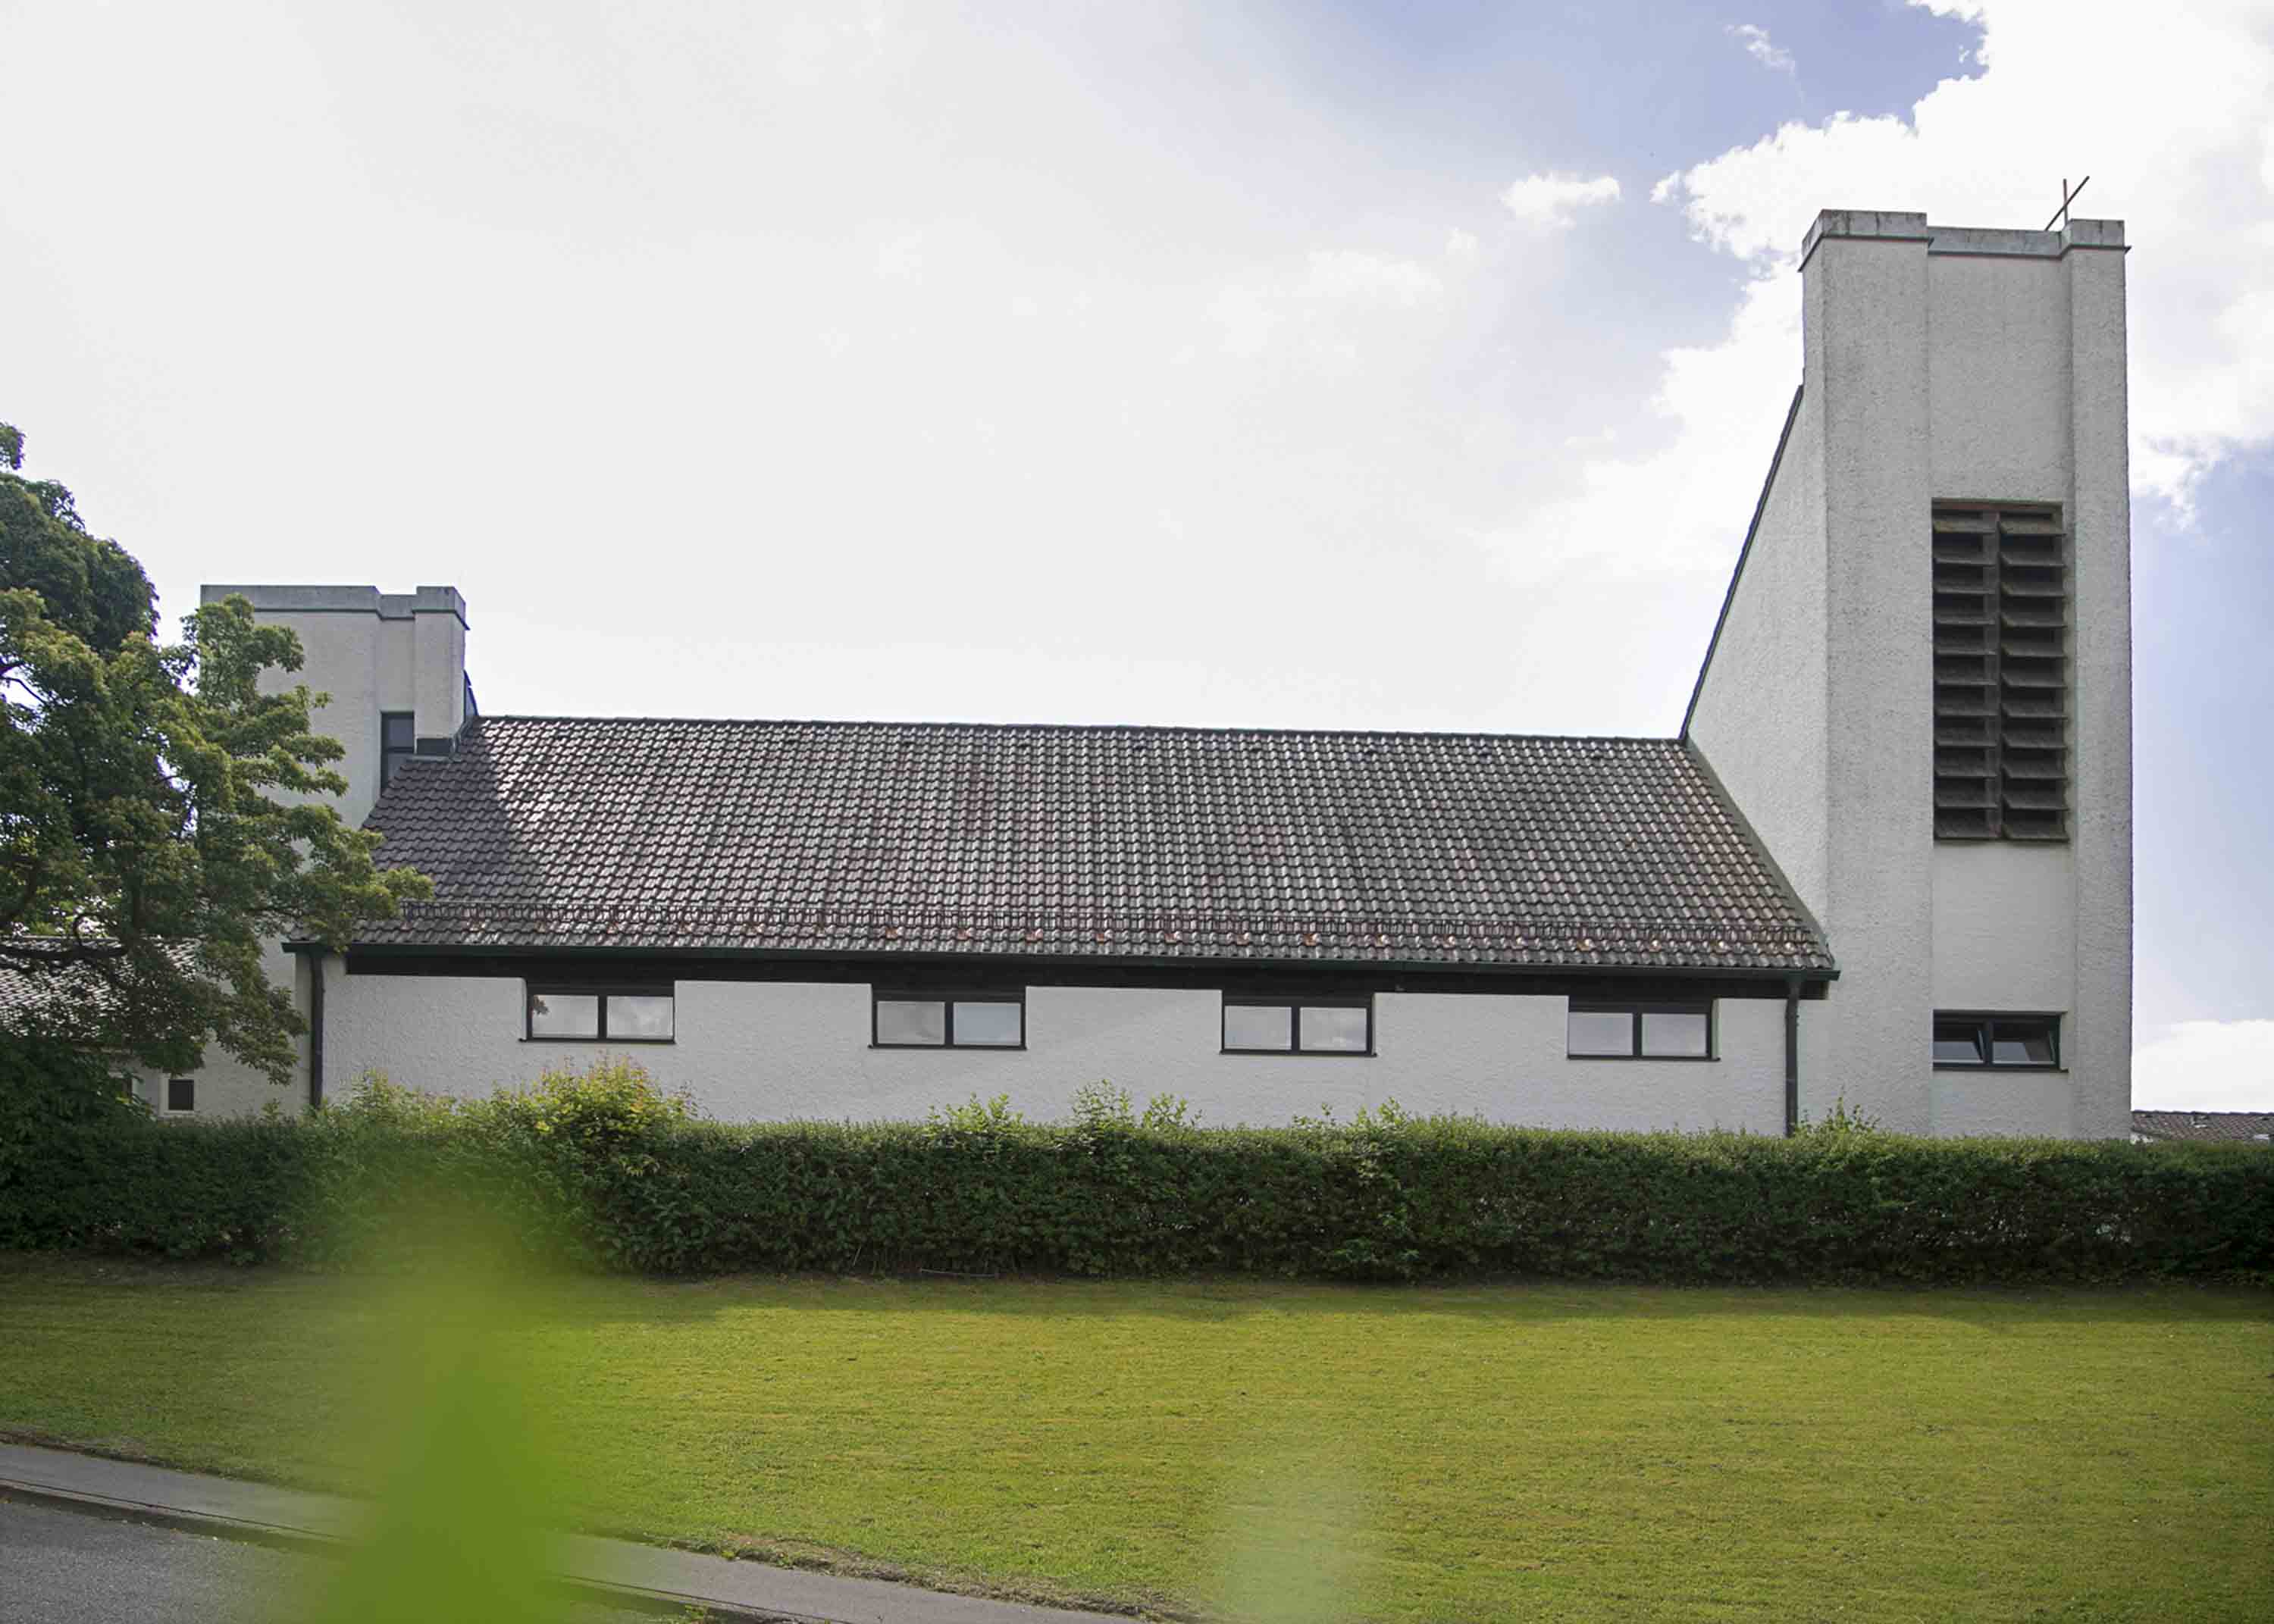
(225, 1086)
(2099, 1035)
(1865, 382)
(768, 1050)
(1956, 365)
(1772, 643)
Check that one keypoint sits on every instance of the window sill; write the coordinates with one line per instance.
(1966, 1065)
(1298, 1054)
(601, 1042)
(950, 1049)
(1659, 1059)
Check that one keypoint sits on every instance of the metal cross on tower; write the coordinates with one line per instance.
(2060, 215)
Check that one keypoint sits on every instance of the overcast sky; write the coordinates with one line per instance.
(1400, 365)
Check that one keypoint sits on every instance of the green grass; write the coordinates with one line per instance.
(1230, 1447)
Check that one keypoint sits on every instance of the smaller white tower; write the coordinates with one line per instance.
(393, 663)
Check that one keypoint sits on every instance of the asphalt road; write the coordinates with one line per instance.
(66, 1567)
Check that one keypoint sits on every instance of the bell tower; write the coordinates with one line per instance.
(1920, 693)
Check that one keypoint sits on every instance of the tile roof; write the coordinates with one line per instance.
(25, 992)
(22, 992)
(1107, 842)
(2242, 1127)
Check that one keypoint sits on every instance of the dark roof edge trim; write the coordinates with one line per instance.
(1065, 961)
(1791, 416)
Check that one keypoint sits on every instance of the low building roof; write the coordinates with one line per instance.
(1128, 843)
(2242, 1127)
(67, 987)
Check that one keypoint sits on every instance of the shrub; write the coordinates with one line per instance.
(603, 1170)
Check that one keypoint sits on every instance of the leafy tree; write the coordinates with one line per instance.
(157, 818)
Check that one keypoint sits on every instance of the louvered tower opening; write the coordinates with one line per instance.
(2001, 617)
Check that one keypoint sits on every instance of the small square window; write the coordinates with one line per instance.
(912, 1023)
(989, 1024)
(181, 1093)
(1958, 1042)
(1674, 1032)
(564, 1015)
(1267, 1028)
(2014, 1042)
(398, 742)
(1333, 1028)
(639, 1017)
(1321, 1026)
(1600, 1031)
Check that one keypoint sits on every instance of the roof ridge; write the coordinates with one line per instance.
(1093, 727)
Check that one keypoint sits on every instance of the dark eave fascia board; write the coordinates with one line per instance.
(1064, 965)
(1791, 416)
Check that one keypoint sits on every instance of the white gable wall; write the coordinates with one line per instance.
(1772, 643)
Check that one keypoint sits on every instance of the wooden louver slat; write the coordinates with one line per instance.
(2001, 607)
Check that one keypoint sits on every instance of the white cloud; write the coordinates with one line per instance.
(832, 250)
(1346, 274)
(1761, 48)
(2206, 1066)
(1322, 306)
(1550, 202)
(901, 257)
(1675, 509)
(2184, 153)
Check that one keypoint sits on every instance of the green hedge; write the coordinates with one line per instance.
(604, 1172)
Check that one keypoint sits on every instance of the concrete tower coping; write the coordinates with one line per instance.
(1887, 226)
(343, 600)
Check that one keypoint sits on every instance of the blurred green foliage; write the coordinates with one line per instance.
(466, 1518)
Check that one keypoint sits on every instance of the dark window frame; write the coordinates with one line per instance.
(1986, 1022)
(1638, 1009)
(1295, 1003)
(188, 1096)
(391, 757)
(530, 991)
(948, 997)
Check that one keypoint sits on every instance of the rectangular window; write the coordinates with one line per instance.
(1260, 1025)
(181, 1093)
(2001, 617)
(1604, 1031)
(601, 1015)
(948, 1020)
(398, 742)
(1997, 1042)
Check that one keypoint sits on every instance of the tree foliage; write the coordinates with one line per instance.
(159, 812)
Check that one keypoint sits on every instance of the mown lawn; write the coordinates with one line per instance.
(1252, 1450)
